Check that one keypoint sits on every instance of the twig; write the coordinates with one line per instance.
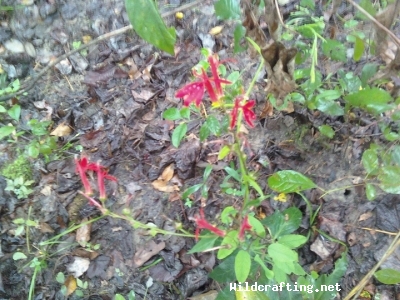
(103, 37)
(395, 39)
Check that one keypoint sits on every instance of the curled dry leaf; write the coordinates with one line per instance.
(147, 251)
(83, 234)
(162, 183)
(61, 130)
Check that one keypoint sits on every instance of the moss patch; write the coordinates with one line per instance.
(19, 167)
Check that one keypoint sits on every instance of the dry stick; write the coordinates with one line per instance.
(395, 39)
(103, 37)
(359, 287)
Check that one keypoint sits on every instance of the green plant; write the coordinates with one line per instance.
(20, 167)
(20, 187)
(71, 285)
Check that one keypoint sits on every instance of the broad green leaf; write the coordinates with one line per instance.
(281, 253)
(185, 113)
(204, 132)
(228, 214)
(206, 242)
(131, 295)
(15, 112)
(367, 72)
(225, 271)
(232, 241)
(335, 50)
(238, 34)
(374, 101)
(19, 255)
(148, 24)
(253, 184)
(349, 82)
(119, 297)
(213, 125)
(224, 152)
(292, 240)
(289, 181)
(2, 109)
(329, 107)
(233, 173)
(257, 226)
(242, 265)
(227, 9)
(33, 150)
(327, 131)
(389, 179)
(370, 191)
(359, 47)
(369, 7)
(283, 223)
(6, 131)
(370, 161)
(268, 273)
(172, 114)
(60, 278)
(388, 276)
(19, 221)
(178, 134)
(20, 229)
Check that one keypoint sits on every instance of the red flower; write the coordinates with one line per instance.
(243, 227)
(83, 165)
(248, 113)
(101, 175)
(194, 92)
(202, 223)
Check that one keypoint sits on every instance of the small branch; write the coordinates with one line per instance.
(103, 37)
(395, 39)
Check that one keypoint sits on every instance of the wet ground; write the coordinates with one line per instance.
(113, 96)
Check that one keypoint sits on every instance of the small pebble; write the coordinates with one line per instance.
(14, 46)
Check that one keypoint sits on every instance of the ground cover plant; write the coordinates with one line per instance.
(222, 217)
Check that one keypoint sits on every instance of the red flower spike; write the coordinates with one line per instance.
(208, 86)
(192, 92)
(214, 63)
(248, 113)
(83, 165)
(202, 223)
(244, 227)
(101, 176)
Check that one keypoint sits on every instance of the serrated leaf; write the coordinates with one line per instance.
(227, 9)
(178, 134)
(204, 132)
(359, 47)
(282, 223)
(292, 240)
(374, 101)
(148, 24)
(172, 114)
(19, 255)
(327, 131)
(388, 276)
(15, 112)
(6, 131)
(242, 265)
(335, 50)
(213, 125)
(370, 161)
(289, 181)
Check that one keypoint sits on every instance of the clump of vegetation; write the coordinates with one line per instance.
(20, 167)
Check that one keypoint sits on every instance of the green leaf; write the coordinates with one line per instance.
(243, 294)
(185, 113)
(388, 276)
(281, 253)
(79, 293)
(227, 9)
(213, 125)
(292, 240)
(233, 173)
(119, 297)
(369, 7)
(329, 107)
(370, 161)
(238, 34)
(242, 265)
(148, 24)
(19, 229)
(172, 114)
(268, 273)
(370, 191)
(374, 101)
(257, 226)
(253, 184)
(204, 132)
(206, 242)
(2, 109)
(389, 179)
(131, 295)
(283, 223)
(228, 214)
(225, 271)
(231, 240)
(178, 134)
(15, 112)
(359, 47)
(327, 131)
(368, 71)
(60, 278)
(33, 150)
(19, 255)
(191, 190)
(289, 181)
(19, 221)
(224, 152)
(335, 50)
(6, 131)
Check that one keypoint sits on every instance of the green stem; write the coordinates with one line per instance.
(33, 281)
(253, 81)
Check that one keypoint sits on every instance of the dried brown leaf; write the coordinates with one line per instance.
(61, 130)
(71, 285)
(83, 233)
(147, 251)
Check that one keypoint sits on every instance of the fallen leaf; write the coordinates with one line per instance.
(78, 266)
(45, 228)
(162, 186)
(61, 130)
(71, 285)
(147, 251)
(365, 216)
(83, 233)
(168, 173)
(216, 30)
